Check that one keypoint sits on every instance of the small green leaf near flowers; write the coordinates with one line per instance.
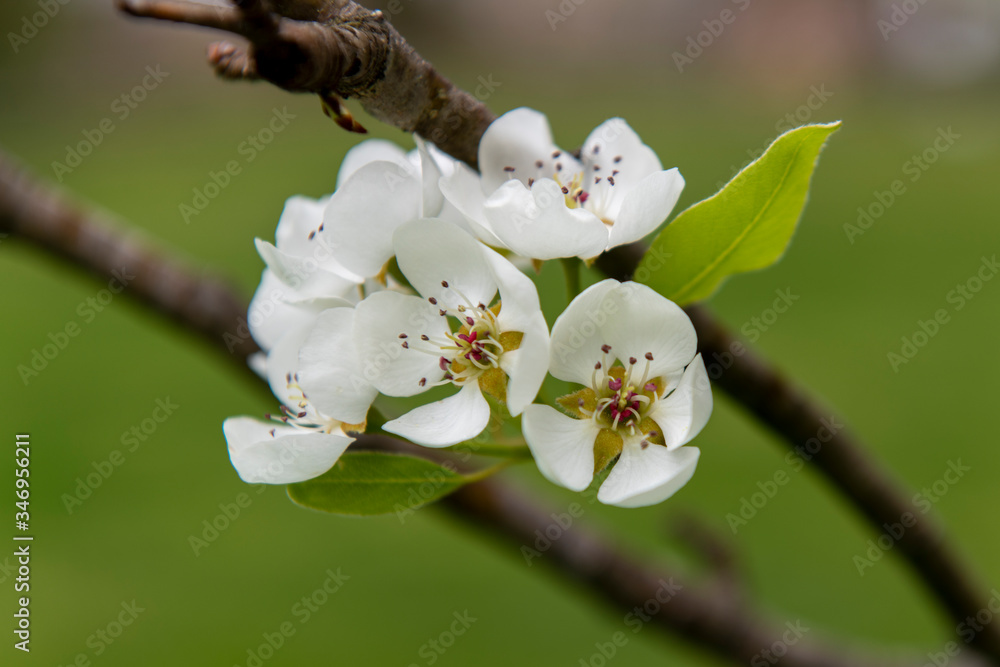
(744, 227)
(373, 483)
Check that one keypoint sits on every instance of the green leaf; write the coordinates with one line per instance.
(745, 226)
(373, 483)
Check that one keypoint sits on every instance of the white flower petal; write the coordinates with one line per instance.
(613, 145)
(518, 295)
(683, 414)
(300, 216)
(266, 453)
(258, 364)
(430, 174)
(270, 316)
(282, 362)
(527, 366)
(463, 193)
(366, 210)
(646, 206)
(648, 322)
(647, 476)
(577, 335)
(430, 252)
(378, 321)
(371, 150)
(520, 139)
(306, 276)
(563, 447)
(537, 223)
(447, 422)
(330, 368)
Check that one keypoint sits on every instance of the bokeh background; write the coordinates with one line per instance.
(130, 540)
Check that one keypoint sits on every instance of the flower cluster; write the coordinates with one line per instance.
(407, 279)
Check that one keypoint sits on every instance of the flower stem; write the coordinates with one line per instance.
(487, 472)
(495, 450)
(571, 268)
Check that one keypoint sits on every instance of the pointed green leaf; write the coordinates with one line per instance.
(745, 226)
(372, 483)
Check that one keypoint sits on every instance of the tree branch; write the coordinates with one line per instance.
(337, 48)
(193, 299)
(842, 459)
(711, 617)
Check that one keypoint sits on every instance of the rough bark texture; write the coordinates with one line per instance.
(338, 48)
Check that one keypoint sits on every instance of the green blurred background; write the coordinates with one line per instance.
(130, 539)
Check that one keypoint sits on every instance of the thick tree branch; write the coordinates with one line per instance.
(337, 48)
(711, 617)
(194, 299)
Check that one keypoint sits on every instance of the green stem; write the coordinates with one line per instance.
(487, 472)
(513, 452)
(571, 268)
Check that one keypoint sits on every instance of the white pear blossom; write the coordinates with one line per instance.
(645, 395)
(302, 289)
(300, 260)
(379, 188)
(539, 201)
(453, 334)
(304, 441)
